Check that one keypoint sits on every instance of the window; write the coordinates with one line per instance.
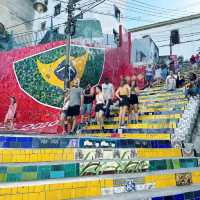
(117, 13)
(43, 25)
(57, 9)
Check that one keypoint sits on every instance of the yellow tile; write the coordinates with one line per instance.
(108, 183)
(4, 191)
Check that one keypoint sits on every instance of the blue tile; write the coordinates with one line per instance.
(57, 174)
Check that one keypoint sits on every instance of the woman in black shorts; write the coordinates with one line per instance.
(123, 93)
(133, 102)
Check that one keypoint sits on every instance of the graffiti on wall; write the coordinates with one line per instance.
(42, 76)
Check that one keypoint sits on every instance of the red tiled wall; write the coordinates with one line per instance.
(116, 65)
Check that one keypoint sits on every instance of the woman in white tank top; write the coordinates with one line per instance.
(99, 109)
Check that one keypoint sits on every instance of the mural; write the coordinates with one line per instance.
(112, 167)
(34, 76)
(42, 76)
(96, 154)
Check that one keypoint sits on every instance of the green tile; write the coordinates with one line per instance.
(14, 169)
(43, 175)
(3, 177)
(12, 177)
(169, 164)
(3, 170)
(29, 169)
(57, 167)
(176, 164)
(29, 176)
(44, 168)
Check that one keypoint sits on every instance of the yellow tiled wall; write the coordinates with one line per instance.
(58, 191)
(35, 155)
(162, 181)
(158, 153)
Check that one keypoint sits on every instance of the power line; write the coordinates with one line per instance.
(182, 42)
(124, 17)
(166, 30)
(150, 11)
(158, 7)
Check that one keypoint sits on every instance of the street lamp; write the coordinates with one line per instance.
(40, 5)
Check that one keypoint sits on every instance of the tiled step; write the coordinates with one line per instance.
(49, 155)
(95, 140)
(175, 97)
(189, 192)
(163, 103)
(134, 126)
(109, 129)
(135, 136)
(96, 186)
(147, 121)
(173, 111)
(88, 167)
(158, 95)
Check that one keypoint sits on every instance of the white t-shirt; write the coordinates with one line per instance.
(171, 82)
(158, 73)
(108, 90)
(100, 98)
(66, 104)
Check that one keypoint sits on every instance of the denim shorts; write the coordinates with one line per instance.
(86, 108)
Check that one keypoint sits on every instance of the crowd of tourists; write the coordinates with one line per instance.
(81, 101)
(99, 99)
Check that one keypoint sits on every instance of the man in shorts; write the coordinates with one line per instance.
(75, 103)
(108, 93)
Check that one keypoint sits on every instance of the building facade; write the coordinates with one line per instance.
(189, 35)
(108, 16)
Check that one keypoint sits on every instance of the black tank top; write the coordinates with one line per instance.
(87, 99)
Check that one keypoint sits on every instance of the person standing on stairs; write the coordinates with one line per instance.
(64, 112)
(133, 102)
(87, 102)
(123, 94)
(171, 82)
(75, 104)
(158, 75)
(99, 109)
(11, 114)
(108, 93)
(149, 75)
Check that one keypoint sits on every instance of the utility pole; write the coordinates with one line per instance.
(170, 46)
(70, 10)
(70, 30)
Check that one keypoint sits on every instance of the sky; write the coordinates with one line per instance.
(150, 11)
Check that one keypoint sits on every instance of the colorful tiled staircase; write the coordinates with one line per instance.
(139, 157)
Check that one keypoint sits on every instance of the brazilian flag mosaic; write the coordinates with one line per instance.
(42, 76)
